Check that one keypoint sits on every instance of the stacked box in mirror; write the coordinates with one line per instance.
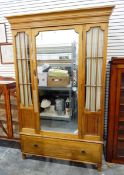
(55, 81)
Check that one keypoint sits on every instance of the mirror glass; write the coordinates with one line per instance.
(57, 69)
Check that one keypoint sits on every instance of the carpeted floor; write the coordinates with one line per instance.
(11, 163)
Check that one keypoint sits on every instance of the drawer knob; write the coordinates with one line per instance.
(35, 145)
(83, 151)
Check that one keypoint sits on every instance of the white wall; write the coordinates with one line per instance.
(116, 25)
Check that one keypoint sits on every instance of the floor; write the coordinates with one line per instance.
(11, 163)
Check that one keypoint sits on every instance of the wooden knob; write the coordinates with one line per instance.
(83, 152)
(35, 145)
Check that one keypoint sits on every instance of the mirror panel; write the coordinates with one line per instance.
(57, 69)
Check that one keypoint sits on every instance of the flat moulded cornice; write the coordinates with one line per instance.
(76, 16)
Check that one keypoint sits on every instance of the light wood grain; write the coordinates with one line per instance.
(86, 146)
(64, 149)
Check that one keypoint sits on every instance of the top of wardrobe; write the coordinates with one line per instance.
(117, 60)
(61, 18)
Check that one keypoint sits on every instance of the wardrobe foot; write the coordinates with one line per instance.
(99, 167)
(23, 156)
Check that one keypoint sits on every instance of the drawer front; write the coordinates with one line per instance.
(64, 149)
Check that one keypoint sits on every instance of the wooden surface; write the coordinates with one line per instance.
(65, 149)
(90, 124)
(6, 85)
(117, 68)
(61, 18)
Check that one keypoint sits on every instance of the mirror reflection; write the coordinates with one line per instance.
(57, 64)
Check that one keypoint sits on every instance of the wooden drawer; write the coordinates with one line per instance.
(64, 149)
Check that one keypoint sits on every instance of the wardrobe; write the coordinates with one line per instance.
(60, 62)
(115, 139)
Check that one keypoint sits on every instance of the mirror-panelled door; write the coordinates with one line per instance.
(95, 62)
(22, 41)
(56, 52)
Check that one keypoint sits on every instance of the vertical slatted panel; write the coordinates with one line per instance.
(94, 57)
(23, 65)
(116, 25)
